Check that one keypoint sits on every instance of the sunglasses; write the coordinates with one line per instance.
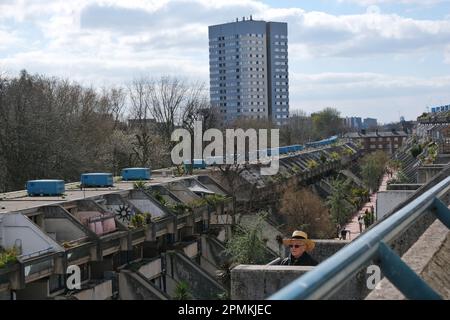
(296, 245)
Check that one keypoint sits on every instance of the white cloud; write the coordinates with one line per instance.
(323, 34)
(447, 54)
(8, 39)
(112, 41)
(382, 96)
(408, 2)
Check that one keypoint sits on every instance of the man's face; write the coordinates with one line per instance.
(297, 249)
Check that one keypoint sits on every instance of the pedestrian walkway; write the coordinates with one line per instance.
(353, 225)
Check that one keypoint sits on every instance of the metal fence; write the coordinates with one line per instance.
(326, 279)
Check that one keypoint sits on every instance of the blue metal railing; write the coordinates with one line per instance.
(328, 277)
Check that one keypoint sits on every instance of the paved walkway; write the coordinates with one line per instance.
(353, 225)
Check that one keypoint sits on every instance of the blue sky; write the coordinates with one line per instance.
(369, 58)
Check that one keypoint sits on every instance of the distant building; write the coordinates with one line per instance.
(141, 123)
(388, 141)
(248, 65)
(370, 123)
(353, 123)
(440, 109)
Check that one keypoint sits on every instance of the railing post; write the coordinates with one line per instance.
(403, 277)
(442, 212)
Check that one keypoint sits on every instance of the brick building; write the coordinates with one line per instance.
(388, 141)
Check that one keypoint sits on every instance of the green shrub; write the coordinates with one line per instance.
(182, 291)
(335, 156)
(139, 185)
(312, 164)
(416, 150)
(140, 220)
(8, 256)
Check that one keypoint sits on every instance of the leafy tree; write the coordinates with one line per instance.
(369, 219)
(246, 245)
(372, 169)
(327, 122)
(339, 208)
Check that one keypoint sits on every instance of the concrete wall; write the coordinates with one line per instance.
(101, 291)
(36, 290)
(191, 250)
(18, 227)
(326, 248)
(442, 159)
(133, 287)
(145, 205)
(213, 253)
(201, 284)
(5, 295)
(404, 186)
(429, 257)
(220, 219)
(426, 173)
(151, 269)
(388, 200)
(253, 282)
(65, 229)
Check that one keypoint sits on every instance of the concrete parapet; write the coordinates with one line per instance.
(429, 257)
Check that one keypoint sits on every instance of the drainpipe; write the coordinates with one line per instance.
(163, 272)
(1, 232)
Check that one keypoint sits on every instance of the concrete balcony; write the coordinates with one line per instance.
(110, 235)
(94, 290)
(38, 254)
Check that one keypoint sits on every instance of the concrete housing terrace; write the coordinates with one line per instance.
(96, 229)
(182, 240)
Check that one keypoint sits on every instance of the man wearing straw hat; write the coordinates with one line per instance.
(299, 246)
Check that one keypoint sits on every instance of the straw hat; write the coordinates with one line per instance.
(300, 237)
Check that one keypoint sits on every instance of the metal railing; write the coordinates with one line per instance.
(329, 276)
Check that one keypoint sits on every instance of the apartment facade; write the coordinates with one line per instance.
(248, 63)
(389, 141)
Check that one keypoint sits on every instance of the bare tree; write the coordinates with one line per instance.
(51, 128)
(167, 97)
(298, 130)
